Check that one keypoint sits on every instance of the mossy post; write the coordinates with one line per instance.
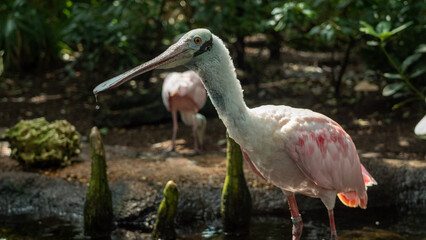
(236, 199)
(98, 205)
(164, 227)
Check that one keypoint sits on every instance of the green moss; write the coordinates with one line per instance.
(38, 143)
(98, 212)
(164, 225)
(236, 199)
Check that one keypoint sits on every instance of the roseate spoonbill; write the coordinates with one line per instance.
(184, 92)
(298, 150)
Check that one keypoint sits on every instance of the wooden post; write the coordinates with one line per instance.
(164, 227)
(236, 199)
(98, 205)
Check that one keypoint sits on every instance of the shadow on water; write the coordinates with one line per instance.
(409, 224)
(23, 227)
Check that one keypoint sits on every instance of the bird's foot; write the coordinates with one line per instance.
(333, 235)
(172, 149)
(198, 150)
(297, 227)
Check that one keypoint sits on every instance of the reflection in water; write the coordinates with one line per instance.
(407, 223)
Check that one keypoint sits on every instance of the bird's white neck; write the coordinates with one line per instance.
(218, 75)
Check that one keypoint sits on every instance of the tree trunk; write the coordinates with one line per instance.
(344, 64)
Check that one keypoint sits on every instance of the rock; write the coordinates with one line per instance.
(135, 204)
(400, 182)
(40, 196)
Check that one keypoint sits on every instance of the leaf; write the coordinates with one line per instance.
(315, 30)
(9, 28)
(368, 29)
(418, 71)
(373, 43)
(402, 27)
(276, 11)
(385, 36)
(327, 33)
(410, 60)
(421, 48)
(392, 88)
(383, 27)
(392, 76)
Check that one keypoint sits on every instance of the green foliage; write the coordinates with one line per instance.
(290, 14)
(410, 68)
(293, 19)
(112, 33)
(28, 33)
(232, 21)
(38, 143)
(229, 19)
(383, 30)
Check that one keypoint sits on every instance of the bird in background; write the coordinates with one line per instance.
(297, 150)
(185, 93)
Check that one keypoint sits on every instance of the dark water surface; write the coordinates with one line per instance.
(410, 224)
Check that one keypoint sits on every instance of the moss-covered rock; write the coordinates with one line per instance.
(38, 143)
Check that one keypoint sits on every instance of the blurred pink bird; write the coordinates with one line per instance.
(298, 150)
(184, 92)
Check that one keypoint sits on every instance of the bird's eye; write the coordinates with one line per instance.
(197, 40)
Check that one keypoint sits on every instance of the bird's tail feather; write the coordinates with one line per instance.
(352, 199)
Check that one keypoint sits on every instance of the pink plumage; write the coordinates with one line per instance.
(185, 93)
(305, 152)
(187, 88)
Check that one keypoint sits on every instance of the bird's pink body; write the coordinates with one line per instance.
(306, 153)
(185, 93)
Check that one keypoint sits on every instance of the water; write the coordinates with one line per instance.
(407, 223)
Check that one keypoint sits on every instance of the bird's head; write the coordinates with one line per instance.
(189, 48)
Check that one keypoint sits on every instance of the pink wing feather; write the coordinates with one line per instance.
(326, 155)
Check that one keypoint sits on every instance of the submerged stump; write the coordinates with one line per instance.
(236, 199)
(98, 205)
(164, 227)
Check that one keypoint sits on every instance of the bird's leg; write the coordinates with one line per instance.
(296, 218)
(175, 129)
(332, 225)
(195, 130)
